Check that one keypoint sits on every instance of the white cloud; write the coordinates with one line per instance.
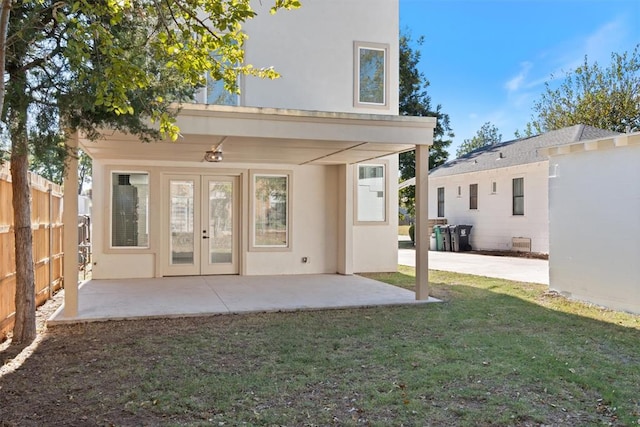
(517, 82)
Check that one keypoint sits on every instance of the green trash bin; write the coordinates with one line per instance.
(439, 232)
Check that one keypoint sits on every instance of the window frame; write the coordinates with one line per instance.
(253, 174)
(473, 196)
(357, 102)
(108, 240)
(515, 196)
(440, 201)
(356, 199)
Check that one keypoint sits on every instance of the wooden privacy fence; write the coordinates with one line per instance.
(46, 223)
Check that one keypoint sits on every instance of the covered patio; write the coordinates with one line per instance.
(120, 299)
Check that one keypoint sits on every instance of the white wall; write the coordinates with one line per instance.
(594, 199)
(493, 223)
(313, 50)
(314, 222)
(375, 247)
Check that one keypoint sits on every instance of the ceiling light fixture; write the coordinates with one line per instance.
(214, 155)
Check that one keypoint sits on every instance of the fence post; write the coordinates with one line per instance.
(50, 192)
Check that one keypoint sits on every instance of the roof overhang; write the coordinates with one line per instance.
(592, 145)
(267, 135)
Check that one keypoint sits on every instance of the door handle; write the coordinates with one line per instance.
(204, 234)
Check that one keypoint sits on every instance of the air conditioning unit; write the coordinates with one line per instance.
(521, 244)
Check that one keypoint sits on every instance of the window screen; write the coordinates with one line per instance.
(129, 209)
(270, 211)
(473, 196)
(440, 202)
(518, 196)
(372, 201)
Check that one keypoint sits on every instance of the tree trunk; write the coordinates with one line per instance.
(24, 330)
(5, 11)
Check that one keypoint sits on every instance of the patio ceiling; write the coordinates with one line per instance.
(261, 135)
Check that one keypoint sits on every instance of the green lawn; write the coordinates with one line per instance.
(493, 353)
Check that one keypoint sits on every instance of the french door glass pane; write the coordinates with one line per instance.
(220, 222)
(181, 221)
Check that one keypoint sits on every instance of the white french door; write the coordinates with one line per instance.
(201, 226)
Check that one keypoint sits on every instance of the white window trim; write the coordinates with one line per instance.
(108, 247)
(357, 45)
(385, 164)
(273, 173)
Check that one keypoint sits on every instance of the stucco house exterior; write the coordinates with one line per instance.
(594, 221)
(502, 190)
(301, 176)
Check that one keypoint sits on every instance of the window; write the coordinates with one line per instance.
(494, 187)
(270, 210)
(216, 94)
(371, 194)
(473, 196)
(518, 196)
(129, 209)
(371, 74)
(459, 191)
(440, 202)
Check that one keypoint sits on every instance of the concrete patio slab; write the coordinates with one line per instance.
(101, 300)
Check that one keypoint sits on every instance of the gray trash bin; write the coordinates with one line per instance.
(460, 237)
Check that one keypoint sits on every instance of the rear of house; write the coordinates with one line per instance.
(303, 171)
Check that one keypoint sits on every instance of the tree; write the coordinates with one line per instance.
(414, 101)
(606, 98)
(86, 65)
(487, 135)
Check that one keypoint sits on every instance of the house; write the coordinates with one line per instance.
(594, 221)
(502, 190)
(294, 176)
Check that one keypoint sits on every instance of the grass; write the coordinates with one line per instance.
(494, 352)
(403, 230)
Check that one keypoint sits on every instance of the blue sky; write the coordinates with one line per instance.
(488, 60)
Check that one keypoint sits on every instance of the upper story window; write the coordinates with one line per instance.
(130, 210)
(371, 74)
(216, 94)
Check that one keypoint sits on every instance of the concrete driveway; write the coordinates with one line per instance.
(502, 267)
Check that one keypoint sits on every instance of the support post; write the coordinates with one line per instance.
(345, 219)
(70, 232)
(422, 222)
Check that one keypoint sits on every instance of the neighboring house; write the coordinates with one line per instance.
(303, 171)
(594, 221)
(502, 190)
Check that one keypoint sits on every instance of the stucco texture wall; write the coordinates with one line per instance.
(594, 199)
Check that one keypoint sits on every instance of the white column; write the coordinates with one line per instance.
(422, 221)
(345, 219)
(70, 237)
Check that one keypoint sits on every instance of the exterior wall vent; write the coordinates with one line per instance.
(521, 244)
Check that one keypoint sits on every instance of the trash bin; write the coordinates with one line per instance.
(460, 237)
(438, 230)
(446, 237)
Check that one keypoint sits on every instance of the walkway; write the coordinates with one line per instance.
(502, 267)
